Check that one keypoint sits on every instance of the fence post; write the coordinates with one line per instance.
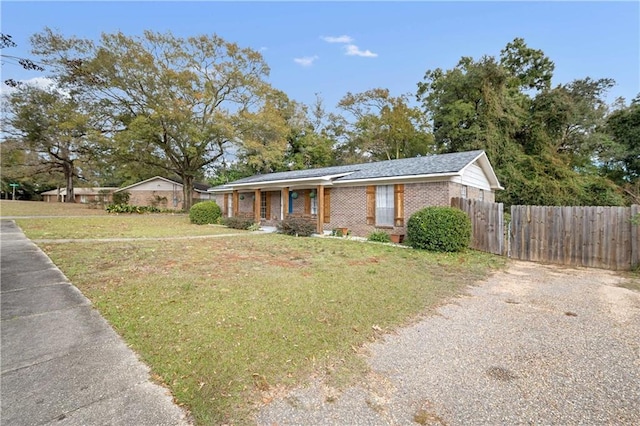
(635, 236)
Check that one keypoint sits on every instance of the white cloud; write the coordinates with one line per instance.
(339, 39)
(39, 82)
(306, 61)
(353, 50)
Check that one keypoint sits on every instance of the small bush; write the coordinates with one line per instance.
(236, 222)
(297, 226)
(121, 197)
(439, 229)
(379, 237)
(203, 213)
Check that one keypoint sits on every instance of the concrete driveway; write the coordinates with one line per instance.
(532, 345)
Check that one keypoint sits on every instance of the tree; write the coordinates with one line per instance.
(21, 166)
(621, 161)
(283, 136)
(6, 41)
(473, 106)
(378, 126)
(544, 142)
(54, 129)
(173, 103)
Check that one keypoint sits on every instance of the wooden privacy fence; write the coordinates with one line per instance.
(601, 237)
(487, 224)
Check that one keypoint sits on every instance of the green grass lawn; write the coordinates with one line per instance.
(40, 208)
(118, 226)
(224, 323)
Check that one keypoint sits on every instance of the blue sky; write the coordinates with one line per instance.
(395, 42)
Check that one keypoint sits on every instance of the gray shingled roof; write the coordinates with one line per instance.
(427, 165)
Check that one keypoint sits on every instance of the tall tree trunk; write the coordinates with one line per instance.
(187, 192)
(68, 177)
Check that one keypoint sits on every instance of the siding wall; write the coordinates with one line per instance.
(474, 176)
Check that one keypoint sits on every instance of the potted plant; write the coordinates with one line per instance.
(397, 238)
(342, 232)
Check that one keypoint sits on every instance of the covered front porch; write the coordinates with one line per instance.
(269, 206)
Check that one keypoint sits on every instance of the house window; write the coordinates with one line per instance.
(314, 205)
(229, 205)
(384, 205)
(482, 195)
(463, 191)
(83, 199)
(263, 205)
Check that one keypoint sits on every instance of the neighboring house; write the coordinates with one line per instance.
(162, 192)
(361, 197)
(81, 195)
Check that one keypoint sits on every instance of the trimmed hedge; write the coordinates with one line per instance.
(297, 226)
(205, 212)
(439, 229)
(236, 222)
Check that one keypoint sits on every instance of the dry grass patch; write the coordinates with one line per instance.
(118, 226)
(40, 208)
(224, 322)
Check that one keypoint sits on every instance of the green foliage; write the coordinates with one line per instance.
(179, 101)
(205, 212)
(439, 229)
(548, 146)
(56, 132)
(382, 127)
(125, 208)
(379, 237)
(121, 197)
(237, 222)
(297, 226)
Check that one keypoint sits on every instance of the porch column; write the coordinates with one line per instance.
(235, 203)
(256, 206)
(320, 219)
(285, 203)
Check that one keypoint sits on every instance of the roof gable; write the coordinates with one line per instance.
(162, 180)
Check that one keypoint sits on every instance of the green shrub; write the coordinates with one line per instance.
(121, 197)
(237, 222)
(379, 237)
(297, 226)
(125, 208)
(203, 213)
(439, 229)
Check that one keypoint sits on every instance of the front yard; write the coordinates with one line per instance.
(227, 322)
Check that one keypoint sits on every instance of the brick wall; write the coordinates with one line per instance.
(349, 205)
(148, 198)
(157, 198)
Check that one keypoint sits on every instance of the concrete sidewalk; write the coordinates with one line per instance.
(61, 361)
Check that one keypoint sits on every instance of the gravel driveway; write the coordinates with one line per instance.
(534, 344)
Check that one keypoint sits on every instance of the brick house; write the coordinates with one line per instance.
(361, 197)
(100, 195)
(162, 192)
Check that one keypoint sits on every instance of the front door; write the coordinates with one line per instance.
(291, 202)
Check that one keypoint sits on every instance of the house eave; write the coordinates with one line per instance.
(399, 179)
(327, 180)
